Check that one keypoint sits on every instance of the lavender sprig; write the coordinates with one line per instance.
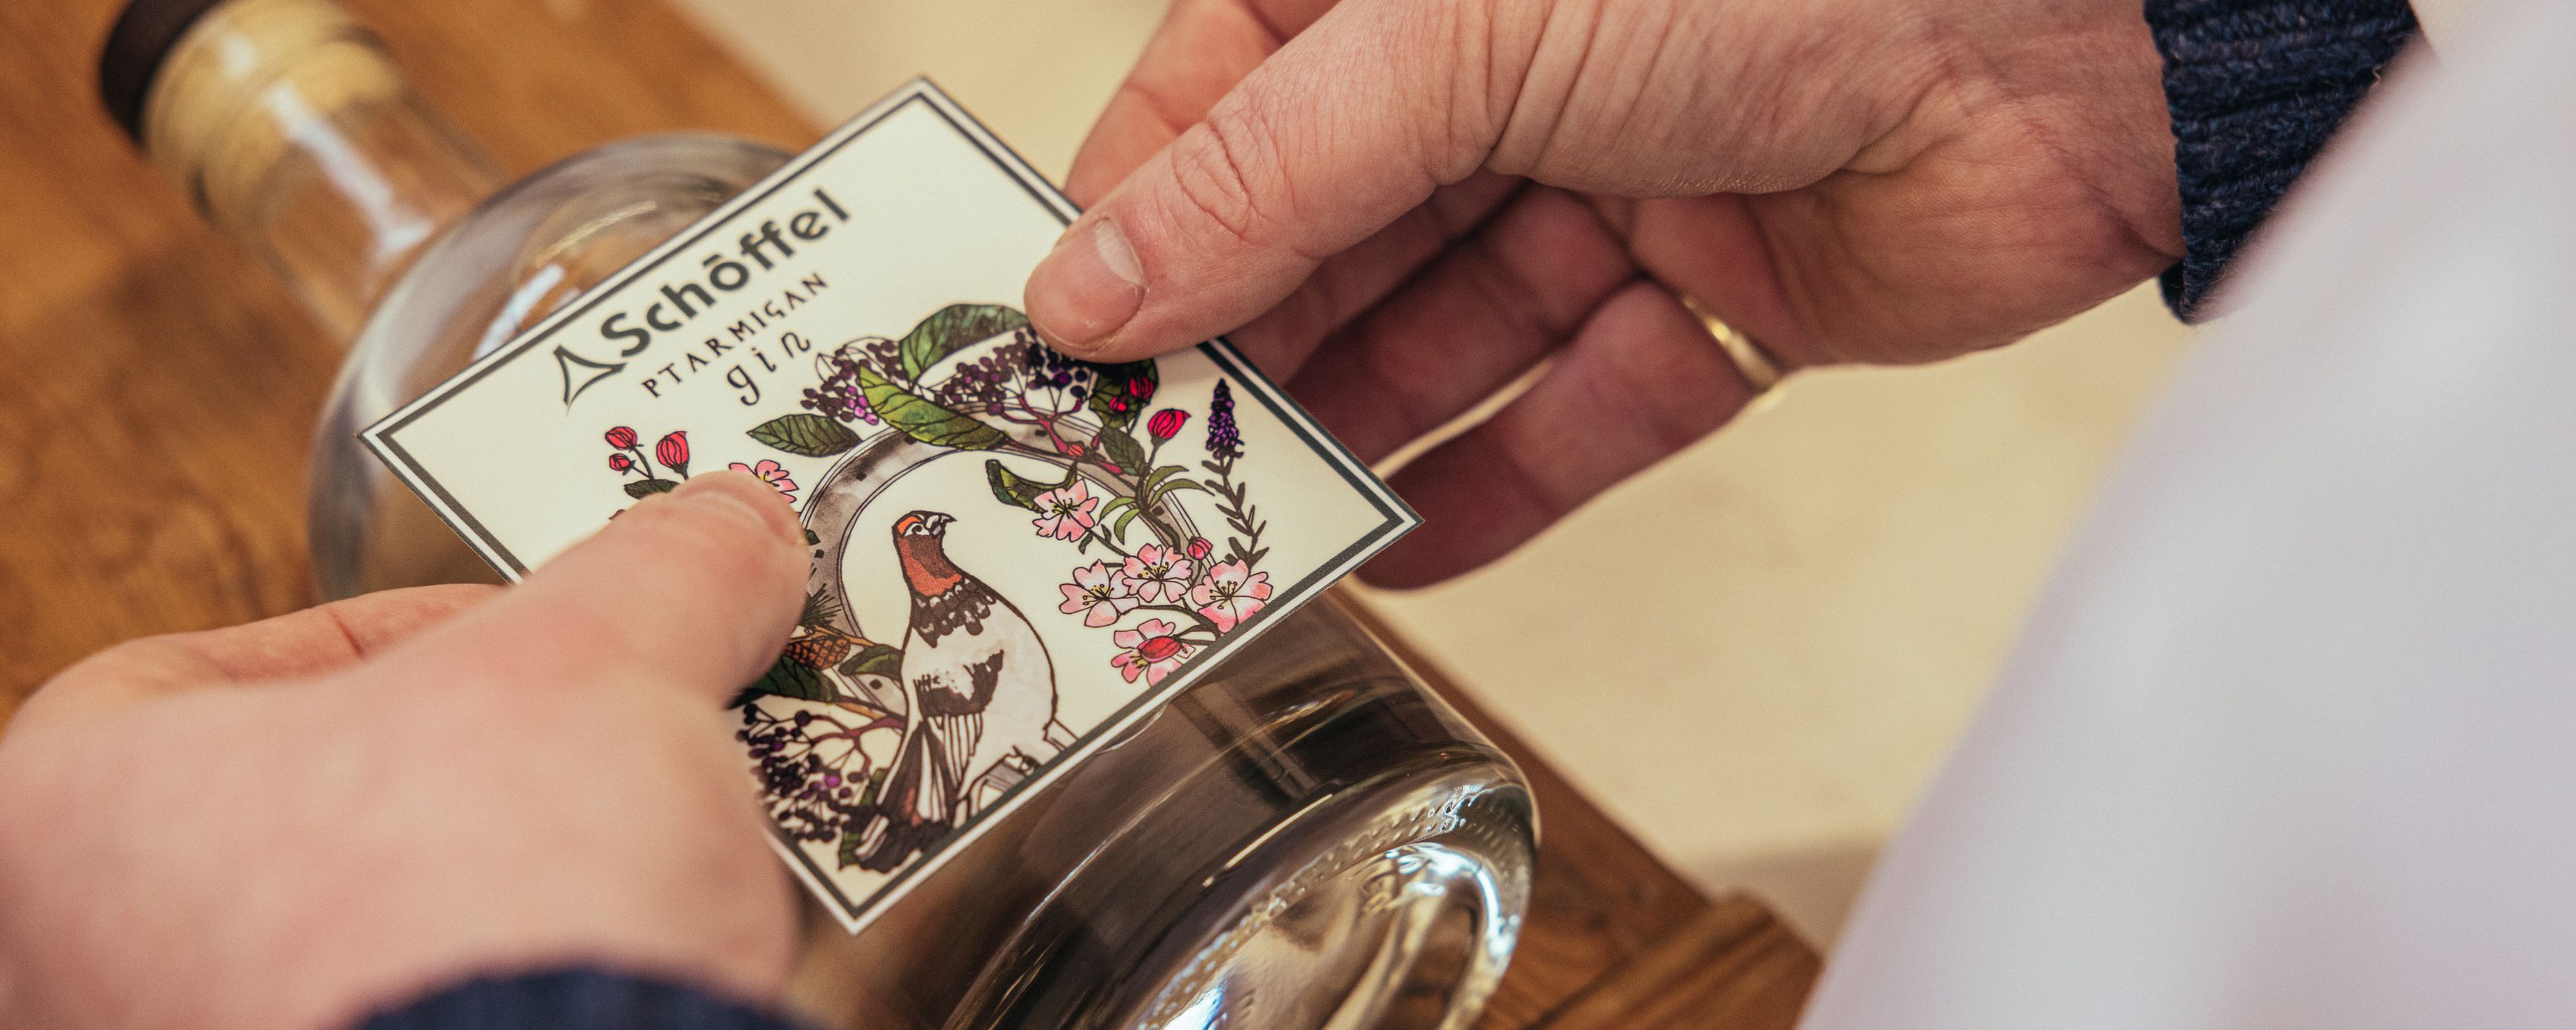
(1223, 439)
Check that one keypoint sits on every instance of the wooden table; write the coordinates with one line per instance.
(160, 389)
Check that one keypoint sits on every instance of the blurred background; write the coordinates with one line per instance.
(1755, 654)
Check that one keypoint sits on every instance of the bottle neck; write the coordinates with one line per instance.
(294, 132)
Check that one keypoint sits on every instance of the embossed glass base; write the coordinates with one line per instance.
(1308, 841)
(1401, 915)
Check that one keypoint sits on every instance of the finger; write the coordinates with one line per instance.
(1712, 249)
(697, 588)
(1350, 283)
(1472, 323)
(311, 642)
(1199, 52)
(1203, 48)
(1640, 381)
(1350, 125)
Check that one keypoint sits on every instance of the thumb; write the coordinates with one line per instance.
(1350, 125)
(698, 588)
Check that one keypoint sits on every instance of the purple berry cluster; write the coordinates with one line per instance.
(1051, 370)
(984, 384)
(1021, 373)
(1055, 382)
(839, 396)
(807, 797)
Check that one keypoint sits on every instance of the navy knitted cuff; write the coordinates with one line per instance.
(2256, 87)
(572, 999)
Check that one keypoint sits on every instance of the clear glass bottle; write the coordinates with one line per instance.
(1309, 839)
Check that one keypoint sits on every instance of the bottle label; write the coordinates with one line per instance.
(1017, 554)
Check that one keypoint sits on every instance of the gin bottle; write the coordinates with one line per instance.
(1309, 838)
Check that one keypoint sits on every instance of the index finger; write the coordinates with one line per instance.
(1357, 121)
(1199, 52)
(696, 589)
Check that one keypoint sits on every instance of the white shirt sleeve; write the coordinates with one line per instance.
(2291, 739)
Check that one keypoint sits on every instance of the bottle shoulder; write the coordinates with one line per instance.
(542, 242)
(524, 253)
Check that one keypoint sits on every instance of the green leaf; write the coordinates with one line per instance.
(924, 420)
(1015, 489)
(951, 328)
(640, 489)
(849, 848)
(1172, 487)
(1123, 392)
(788, 679)
(874, 659)
(1120, 529)
(806, 435)
(1145, 487)
(1121, 447)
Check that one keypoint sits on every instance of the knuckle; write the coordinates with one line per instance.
(1212, 173)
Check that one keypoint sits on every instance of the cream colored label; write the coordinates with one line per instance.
(1017, 555)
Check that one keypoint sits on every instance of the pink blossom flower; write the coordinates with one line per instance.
(1153, 650)
(1098, 593)
(772, 473)
(620, 462)
(1065, 512)
(1231, 593)
(1158, 574)
(1200, 548)
(1166, 423)
(620, 437)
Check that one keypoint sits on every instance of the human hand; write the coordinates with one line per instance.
(290, 823)
(1402, 206)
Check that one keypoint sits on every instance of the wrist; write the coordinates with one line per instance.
(2088, 79)
(2255, 90)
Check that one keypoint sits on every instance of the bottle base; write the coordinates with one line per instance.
(1310, 840)
(1394, 909)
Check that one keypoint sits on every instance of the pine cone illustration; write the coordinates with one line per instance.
(821, 646)
(821, 649)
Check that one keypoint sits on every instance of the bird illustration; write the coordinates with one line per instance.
(980, 700)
